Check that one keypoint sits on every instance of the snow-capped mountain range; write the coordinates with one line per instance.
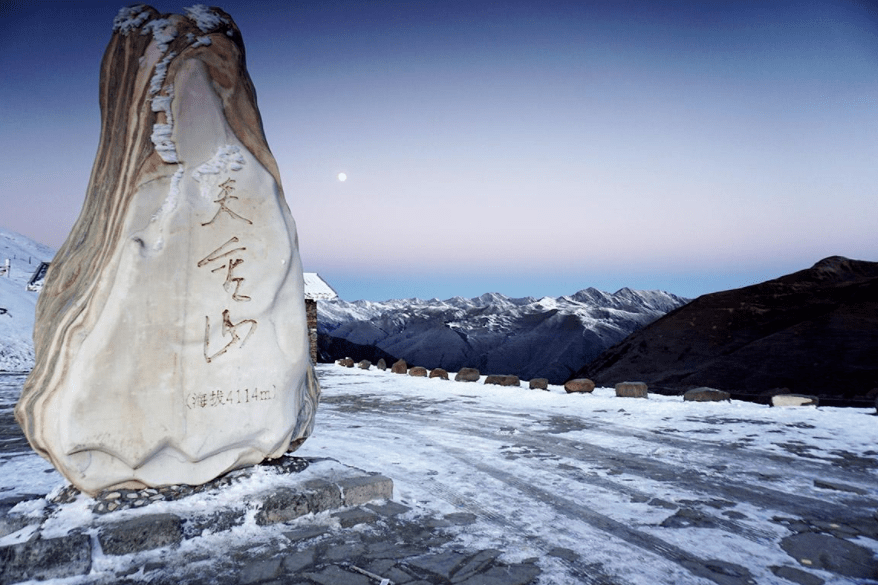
(546, 338)
(17, 304)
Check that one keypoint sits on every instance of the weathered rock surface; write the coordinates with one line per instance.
(467, 375)
(503, 380)
(539, 384)
(814, 331)
(42, 559)
(364, 364)
(171, 340)
(438, 373)
(579, 385)
(418, 371)
(381, 365)
(141, 533)
(399, 367)
(632, 390)
(705, 394)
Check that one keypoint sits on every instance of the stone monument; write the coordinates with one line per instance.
(171, 339)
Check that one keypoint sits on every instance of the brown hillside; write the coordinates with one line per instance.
(812, 332)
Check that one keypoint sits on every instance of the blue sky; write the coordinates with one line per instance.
(527, 148)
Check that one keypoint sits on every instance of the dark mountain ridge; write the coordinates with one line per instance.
(811, 332)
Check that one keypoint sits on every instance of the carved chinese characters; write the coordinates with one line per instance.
(171, 337)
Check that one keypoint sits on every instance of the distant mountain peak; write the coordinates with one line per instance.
(547, 337)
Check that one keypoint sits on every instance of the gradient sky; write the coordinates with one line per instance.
(528, 148)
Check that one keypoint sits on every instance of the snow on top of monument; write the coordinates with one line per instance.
(205, 18)
(130, 18)
(227, 158)
(163, 32)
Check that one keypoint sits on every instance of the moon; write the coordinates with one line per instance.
(342, 177)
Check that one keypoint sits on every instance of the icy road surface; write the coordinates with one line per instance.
(639, 491)
(598, 489)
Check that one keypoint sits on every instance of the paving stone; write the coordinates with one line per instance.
(338, 576)
(797, 576)
(387, 569)
(518, 574)
(285, 504)
(475, 564)
(344, 552)
(720, 572)
(461, 518)
(823, 551)
(219, 521)
(298, 561)
(140, 533)
(389, 508)
(41, 559)
(442, 564)
(359, 490)
(354, 516)
(564, 553)
(306, 533)
(260, 570)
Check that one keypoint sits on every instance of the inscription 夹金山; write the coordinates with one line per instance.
(229, 254)
(229, 328)
(227, 187)
(229, 266)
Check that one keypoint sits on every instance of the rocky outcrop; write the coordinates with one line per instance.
(814, 332)
(171, 341)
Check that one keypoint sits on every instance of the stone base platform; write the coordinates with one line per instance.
(59, 536)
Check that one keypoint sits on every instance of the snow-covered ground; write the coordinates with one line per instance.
(629, 490)
(17, 305)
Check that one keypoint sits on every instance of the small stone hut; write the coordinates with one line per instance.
(316, 289)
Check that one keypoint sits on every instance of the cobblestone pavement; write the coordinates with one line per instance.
(504, 496)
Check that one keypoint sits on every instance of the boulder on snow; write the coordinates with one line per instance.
(438, 373)
(418, 372)
(503, 380)
(467, 375)
(632, 390)
(794, 400)
(364, 364)
(347, 362)
(539, 384)
(579, 385)
(399, 367)
(381, 365)
(705, 394)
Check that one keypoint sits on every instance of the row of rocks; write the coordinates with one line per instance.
(575, 386)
